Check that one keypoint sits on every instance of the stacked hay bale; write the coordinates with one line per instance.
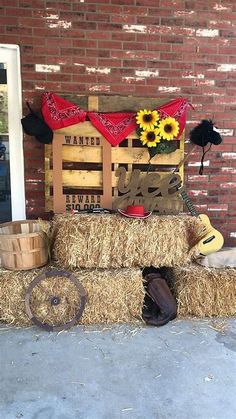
(113, 241)
(113, 296)
(202, 291)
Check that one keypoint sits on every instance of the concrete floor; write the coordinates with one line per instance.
(184, 370)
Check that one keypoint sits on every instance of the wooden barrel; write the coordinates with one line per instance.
(23, 245)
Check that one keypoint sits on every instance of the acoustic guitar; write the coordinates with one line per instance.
(211, 239)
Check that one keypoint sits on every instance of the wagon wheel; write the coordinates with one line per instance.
(55, 300)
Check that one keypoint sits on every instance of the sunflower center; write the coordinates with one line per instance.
(147, 118)
(151, 136)
(168, 128)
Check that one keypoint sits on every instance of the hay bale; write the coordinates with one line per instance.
(113, 241)
(204, 292)
(114, 296)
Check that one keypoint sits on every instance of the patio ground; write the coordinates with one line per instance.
(184, 370)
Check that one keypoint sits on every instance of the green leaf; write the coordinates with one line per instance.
(139, 131)
(152, 151)
(164, 147)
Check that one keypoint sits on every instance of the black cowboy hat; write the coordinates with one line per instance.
(33, 124)
(205, 132)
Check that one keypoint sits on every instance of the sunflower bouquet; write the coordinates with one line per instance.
(156, 133)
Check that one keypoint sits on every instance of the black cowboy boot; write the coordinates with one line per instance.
(166, 307)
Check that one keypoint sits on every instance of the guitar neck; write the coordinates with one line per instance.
(188, 203)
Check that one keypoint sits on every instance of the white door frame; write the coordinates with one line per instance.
(10, 54)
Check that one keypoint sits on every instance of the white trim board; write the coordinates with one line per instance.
(10, 54)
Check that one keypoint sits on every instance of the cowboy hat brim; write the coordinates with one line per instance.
(123, 212)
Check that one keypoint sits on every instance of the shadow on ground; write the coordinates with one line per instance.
(184, 370)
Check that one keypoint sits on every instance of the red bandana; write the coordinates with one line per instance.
(177, 109)
(59, 112)
(114, 126)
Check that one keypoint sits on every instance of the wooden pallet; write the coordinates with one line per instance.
(81, 167)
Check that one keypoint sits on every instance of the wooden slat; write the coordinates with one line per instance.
(129, 103)
(90, 179)
(85, 129)
(181, 148)
(58, 202)
(48, 203)
(81, 129)
(130, 164)
(93, 103)
(141, 155)
(88, 154)
(127, 155)
(48, 156)
(106, 174)
(177, 203)
(48, 152)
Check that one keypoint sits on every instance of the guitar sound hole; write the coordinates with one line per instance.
(209, 240)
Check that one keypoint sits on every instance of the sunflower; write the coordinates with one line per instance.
(150, 137)
(169, 128)
(147, 119)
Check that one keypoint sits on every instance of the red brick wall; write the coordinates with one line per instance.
(152, 47)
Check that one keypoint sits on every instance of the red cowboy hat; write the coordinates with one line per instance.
(135, 211)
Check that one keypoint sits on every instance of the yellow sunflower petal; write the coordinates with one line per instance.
(147, 119)
(143, 141)
(169, 128)
(150, 137)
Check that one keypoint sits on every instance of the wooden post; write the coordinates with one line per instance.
(58, 197)
(106, 198)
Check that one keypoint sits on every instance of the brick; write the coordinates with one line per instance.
(109, 44)
(99, 17)
(157, 46)
(170, 73)
(42, 50)
(91, 61)
(132, 63)
(154, 3)
(123, 18)
(8, 20)
(63, 42)
(148, 20)
(136, 11)
(100, 35)
(121, 36)
(108, 26)
(31, 22)
(224, 147)
(152, 59)
(18, 30)
(38, 4)
(80, 78)
(46, 32)
(171, 56)
(125, 2)
(108, 8)
(83, 43)
(98, 53)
